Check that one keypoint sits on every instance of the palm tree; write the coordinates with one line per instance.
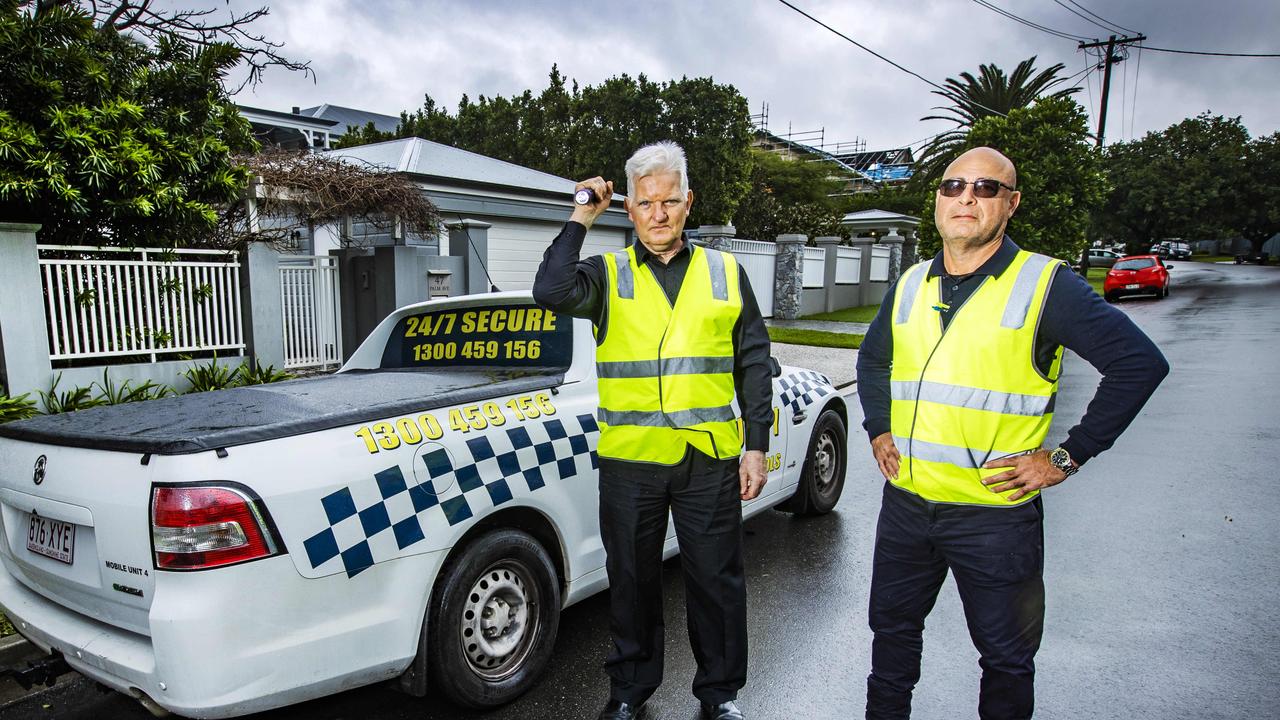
(991, 93)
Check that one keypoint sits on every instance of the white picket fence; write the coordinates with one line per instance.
(848, 265)
(310, 301)
(815, 266)
(879, 263)
(759, 260)
(115, 302)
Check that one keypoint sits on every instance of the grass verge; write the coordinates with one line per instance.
(1096, 276)
(1212, 258)
(863, 314)
(818, 338)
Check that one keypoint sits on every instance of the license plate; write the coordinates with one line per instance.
(52, 538)
(1132, 287)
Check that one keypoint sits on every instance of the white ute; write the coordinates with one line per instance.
(422, 516)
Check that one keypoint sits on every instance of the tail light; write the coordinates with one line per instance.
(197, 527)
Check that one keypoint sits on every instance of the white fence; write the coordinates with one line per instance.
(848, 265)
(879, 263)
(117, 302)
(309, 299)
(759, 260)
(815, 266)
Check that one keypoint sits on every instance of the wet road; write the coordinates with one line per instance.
(1162, 564)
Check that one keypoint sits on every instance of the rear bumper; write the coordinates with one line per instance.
(1121, 291)
(241, 640)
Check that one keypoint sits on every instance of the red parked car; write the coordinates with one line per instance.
(1137, 275)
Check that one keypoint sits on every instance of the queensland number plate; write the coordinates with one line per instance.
(1131, 287)
(52, 538)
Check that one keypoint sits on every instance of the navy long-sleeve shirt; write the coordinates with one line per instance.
(1074, 317)
(576, 287)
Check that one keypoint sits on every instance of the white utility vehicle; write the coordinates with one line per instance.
(421, 516)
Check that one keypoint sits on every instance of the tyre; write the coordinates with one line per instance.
(822, 477)
(1166, 291)
(1110, 297)
(493, 619)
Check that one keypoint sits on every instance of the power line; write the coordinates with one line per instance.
(912, 73)
(1214, 54)
(1137, 69)
(1086, 17)
(1028, 23)
(1114, 26)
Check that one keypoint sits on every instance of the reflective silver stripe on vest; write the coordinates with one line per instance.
(971, 398)
(626, 282)
(655, 418)
(908, 292)
(1024, 287)
(719, 285)
(962, 457)
(668, 366)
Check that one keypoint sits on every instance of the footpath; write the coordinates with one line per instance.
(836, 363)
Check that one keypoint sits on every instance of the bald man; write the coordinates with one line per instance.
(958, 377)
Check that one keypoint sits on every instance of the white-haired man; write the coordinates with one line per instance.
(678, 334)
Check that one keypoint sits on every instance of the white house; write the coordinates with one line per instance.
(525, 208)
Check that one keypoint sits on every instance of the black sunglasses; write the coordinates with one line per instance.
(982, 187)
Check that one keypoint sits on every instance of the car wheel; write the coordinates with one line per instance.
(493, 619)
(822, 477)
(1110, 297)
(1166, 291)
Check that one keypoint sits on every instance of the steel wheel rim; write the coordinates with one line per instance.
(824, 463)
(499, 620)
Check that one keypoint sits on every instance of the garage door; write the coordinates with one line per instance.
(516, 247)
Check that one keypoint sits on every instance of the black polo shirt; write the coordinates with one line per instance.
(1074, 317)
(579, 287)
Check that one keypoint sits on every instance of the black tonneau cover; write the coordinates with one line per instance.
(213, 420)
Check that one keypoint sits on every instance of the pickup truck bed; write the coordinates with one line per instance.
(210, 421)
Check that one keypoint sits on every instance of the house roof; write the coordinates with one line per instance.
(879, 220)
(284, 119)
(345, 117)
(416, 156)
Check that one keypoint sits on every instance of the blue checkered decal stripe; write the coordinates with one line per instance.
(380, 518)
(802, 389)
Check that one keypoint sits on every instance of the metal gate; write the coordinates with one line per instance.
(309, 299)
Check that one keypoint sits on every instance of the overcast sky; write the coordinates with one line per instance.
(383, 55)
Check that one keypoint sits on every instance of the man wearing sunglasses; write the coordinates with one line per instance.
(957, 377)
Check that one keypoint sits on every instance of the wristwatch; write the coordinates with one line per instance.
(1061, 459)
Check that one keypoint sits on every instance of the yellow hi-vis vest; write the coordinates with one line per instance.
(973, 392)
(666, 374)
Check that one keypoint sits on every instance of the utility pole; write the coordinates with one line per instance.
(1111, 58)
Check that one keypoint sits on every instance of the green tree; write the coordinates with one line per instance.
(788, 196)
(991, 93)
(1256, 194)
(1059, 174)
(1152, 180)
(581, 132)
(107, 140)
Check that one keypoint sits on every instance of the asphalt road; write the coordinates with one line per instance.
(1162, 564)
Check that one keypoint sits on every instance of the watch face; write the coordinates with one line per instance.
(1061, 459)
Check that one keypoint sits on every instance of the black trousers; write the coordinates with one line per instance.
(703, 496)
(997, 555)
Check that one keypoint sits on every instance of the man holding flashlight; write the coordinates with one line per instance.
(679, 336)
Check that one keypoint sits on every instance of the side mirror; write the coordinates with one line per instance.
(1168, 266)
(776, 366)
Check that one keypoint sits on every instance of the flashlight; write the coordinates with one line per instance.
(585, 196)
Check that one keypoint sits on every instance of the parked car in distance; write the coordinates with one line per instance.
(1172, 249)
(1136, 275)
(1249, 256)
(1103, 258)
